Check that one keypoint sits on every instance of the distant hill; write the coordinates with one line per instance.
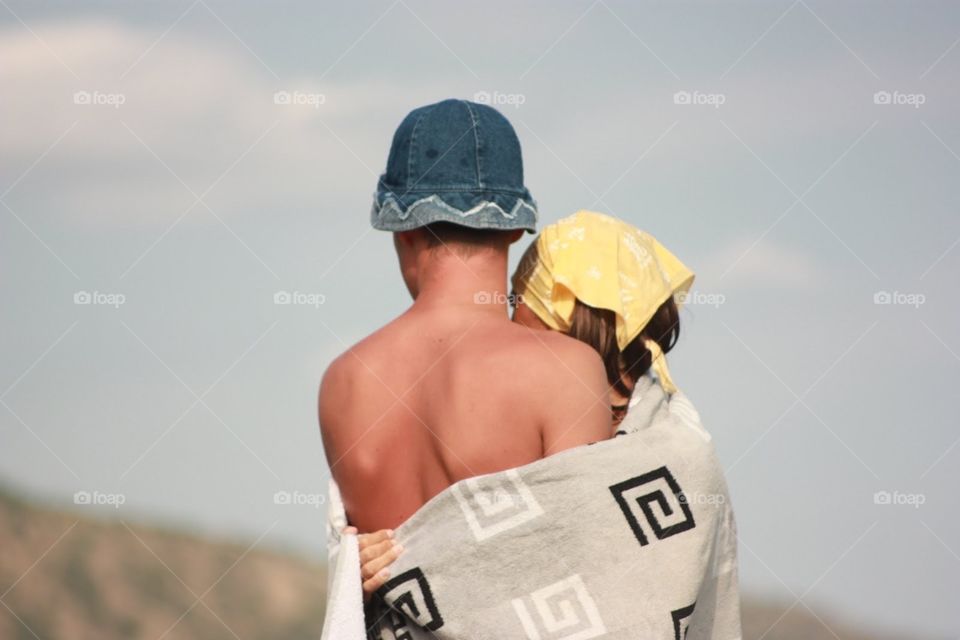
(104, 581)
(799, 624)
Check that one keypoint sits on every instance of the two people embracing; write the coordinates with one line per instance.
(510, 456)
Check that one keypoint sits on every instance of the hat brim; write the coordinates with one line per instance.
(474, 209)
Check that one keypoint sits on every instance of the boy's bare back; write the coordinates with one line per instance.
(452, 388)
(443, 394)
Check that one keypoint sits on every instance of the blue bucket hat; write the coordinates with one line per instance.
(454, 161)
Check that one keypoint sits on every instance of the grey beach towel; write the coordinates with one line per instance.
(632, 537)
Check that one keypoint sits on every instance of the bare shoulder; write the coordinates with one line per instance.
(555, 356)
(346, 377)
(336, 389)
(363, 359)
(568, 390)
(338, 377)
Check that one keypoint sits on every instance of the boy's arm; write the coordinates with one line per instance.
(332, 389)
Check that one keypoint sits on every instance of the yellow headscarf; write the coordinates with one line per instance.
(605, 263)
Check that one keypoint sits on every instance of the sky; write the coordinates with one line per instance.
(168, 168)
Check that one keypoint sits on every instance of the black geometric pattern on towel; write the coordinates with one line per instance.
(410, 593)
(636, 497)
(389, 625)
(681, 621)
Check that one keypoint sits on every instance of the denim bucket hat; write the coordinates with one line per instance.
(454, 161)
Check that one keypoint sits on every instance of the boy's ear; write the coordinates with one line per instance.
(406, 238)
(516, 235)
(403, 239)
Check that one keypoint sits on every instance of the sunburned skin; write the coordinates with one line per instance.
(524, 316)
(378, 550)
(452, 389)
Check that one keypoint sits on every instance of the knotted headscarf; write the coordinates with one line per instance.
(608, 264)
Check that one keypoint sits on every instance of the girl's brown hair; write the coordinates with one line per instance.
(598, 328)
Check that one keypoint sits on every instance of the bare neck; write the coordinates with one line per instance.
(475, 283)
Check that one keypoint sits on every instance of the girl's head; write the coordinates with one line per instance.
(610, 285)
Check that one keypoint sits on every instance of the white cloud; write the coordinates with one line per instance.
(744, 262)
(196, 104)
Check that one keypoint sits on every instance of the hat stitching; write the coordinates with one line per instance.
(390, 205)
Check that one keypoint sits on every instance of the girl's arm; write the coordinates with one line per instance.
(377, 551)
